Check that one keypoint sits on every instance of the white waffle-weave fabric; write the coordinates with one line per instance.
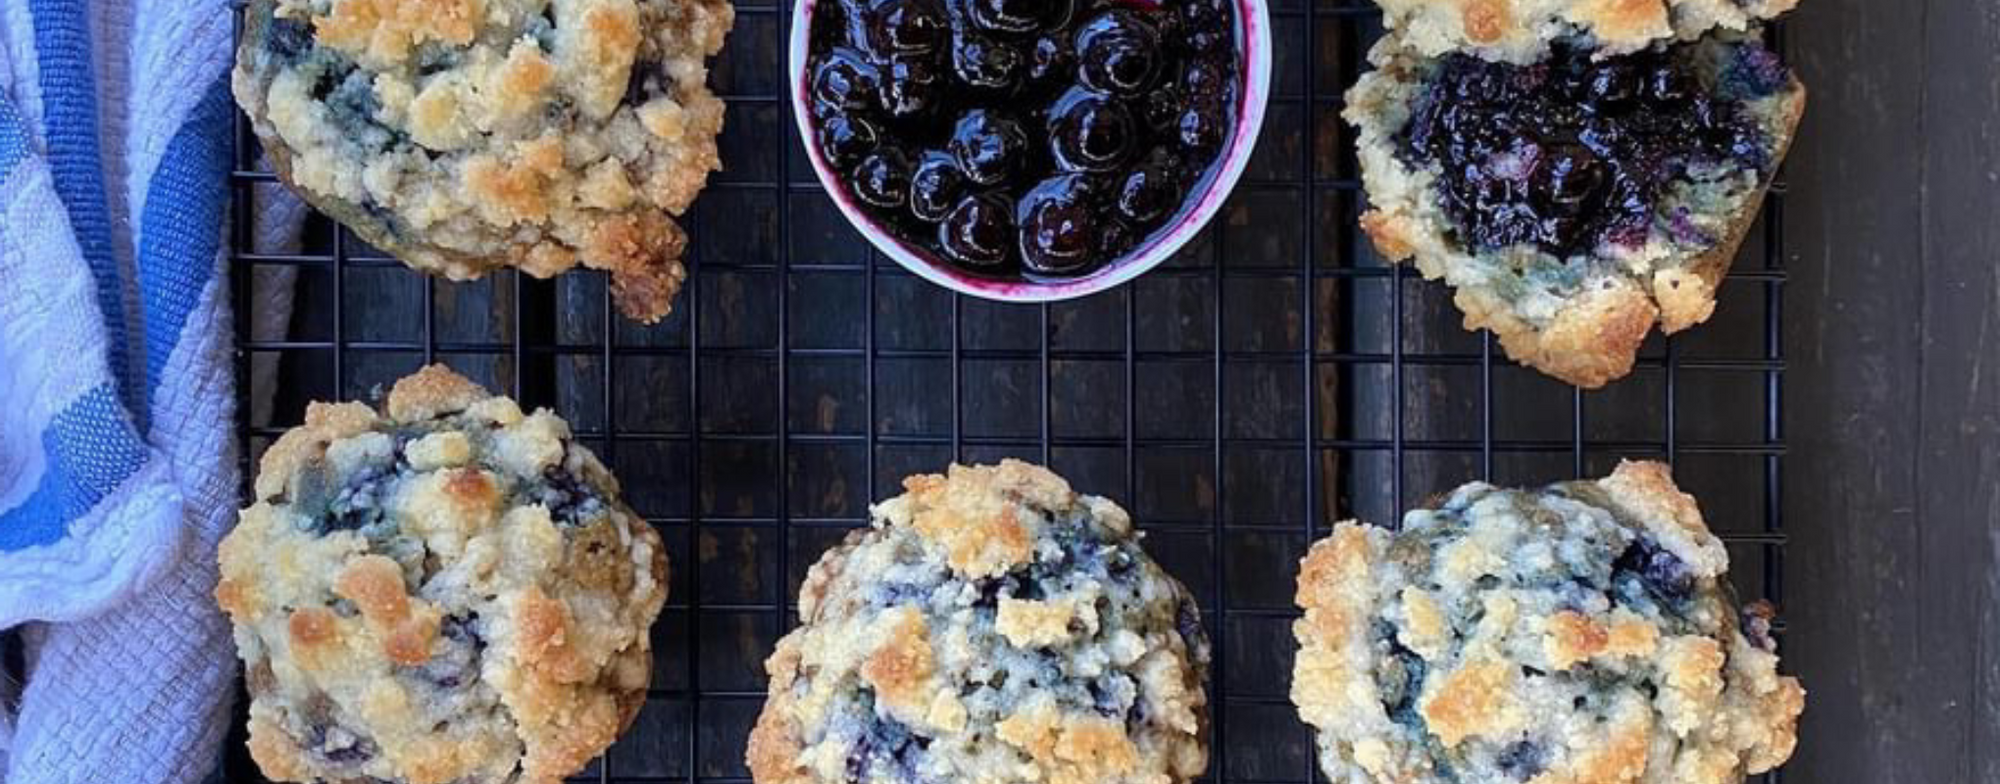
(117, 459)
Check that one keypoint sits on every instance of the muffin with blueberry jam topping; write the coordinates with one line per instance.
(445, 590)
(992, 626)
(1582, 632)
(469, 135)
(1578, 170)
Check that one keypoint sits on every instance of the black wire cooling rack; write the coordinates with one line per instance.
(1274, 377)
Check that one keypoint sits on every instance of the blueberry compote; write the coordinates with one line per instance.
(1571, 153)
(1039, 138)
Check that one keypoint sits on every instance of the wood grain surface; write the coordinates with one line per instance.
(1893, 405)
(801, 376)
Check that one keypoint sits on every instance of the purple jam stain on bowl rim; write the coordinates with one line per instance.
(1254, 69)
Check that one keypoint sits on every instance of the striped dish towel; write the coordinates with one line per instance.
(117, 462)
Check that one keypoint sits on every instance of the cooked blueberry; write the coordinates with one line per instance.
(288, 37)
(568, 497)
(1013, 16)
(1667, 83)
(845, 138)
(847, 25)
(1201, 128)
(455, 655)
(908, 26)
(1058, 227)
(979, 231)
(1522, 760)
(985, 62)
(1187, 623)
(355, 504)
(1089, 132)
(1146, 194)
(1117, 53)
(1611, 87)
(1206, 25)
(1050, 58)
(1664, 574)
(883, 179)
(989, 146)
(459, 628)
(912, 86)
(1205, 80)
(887, 751)
(1113, 695)
(1570, 175)
(339, 746)
(1114, 238)
(845, 81)
(1160, 109)
(899, 593)
(936, 187)
(831, 25)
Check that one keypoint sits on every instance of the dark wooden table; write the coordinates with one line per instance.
(1893, 485)
(1247, 395)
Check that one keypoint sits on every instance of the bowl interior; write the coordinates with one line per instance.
(1253, 43)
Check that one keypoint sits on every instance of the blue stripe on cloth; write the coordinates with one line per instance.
(69, 119)
(15, 144)
(87, 451)
(181, 229)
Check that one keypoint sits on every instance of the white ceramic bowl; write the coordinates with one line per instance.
(1253, 44)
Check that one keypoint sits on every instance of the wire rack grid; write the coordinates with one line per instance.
(1273, 378)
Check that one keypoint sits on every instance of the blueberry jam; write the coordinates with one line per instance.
(1031, 138)
(1572, 153)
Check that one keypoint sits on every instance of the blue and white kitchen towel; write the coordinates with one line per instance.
(117, 464)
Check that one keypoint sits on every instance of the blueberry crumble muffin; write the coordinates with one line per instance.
(992, 626)
(1024, 138)
(1583, 632)
(445, 590)
(1577, 170)
(468, 135)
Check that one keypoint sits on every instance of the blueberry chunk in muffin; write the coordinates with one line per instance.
(444, 590)
(1580, 632)
(992, 626)
(468, 135)
(1578, 171)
